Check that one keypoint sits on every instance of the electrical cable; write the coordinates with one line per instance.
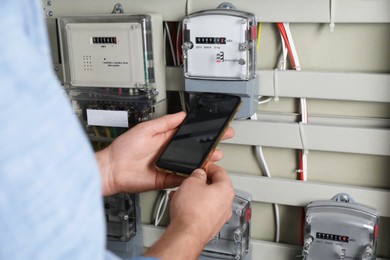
(162, 206)
(258, 36)
(293, 49)
(107, 131)
(259, 29)
(287, 36)
(96, 131)
(264, 101)
(282, 64)
(164, 46)
(178, 44)
(170, 43)
(283, 33)
(182, 101)
(266, 172)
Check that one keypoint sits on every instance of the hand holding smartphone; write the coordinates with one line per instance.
(199, 133)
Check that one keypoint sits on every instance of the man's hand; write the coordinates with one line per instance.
(128, 164)
(198, 211)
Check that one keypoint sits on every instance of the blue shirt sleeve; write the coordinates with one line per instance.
(50, 191)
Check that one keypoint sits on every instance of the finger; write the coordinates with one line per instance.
(165, 123)
(166, 180)
(229, 133)
(216, 155)
(199, 174)
(217, 174)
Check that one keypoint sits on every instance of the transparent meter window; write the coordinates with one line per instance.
(220, 44)
(340, 230)
(233, 240)
(120, 211)
(107, 51)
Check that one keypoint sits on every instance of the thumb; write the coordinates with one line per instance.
(199, 174)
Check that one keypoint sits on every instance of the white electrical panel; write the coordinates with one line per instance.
(105, 54)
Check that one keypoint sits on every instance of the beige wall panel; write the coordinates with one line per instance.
(273, 11)
(171, 10)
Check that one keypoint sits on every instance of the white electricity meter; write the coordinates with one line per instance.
(113, 70)
(219, 53)
(340, 228)
(113, 51)
(220, 44)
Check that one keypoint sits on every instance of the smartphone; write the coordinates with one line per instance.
(199, 133)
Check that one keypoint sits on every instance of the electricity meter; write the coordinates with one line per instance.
(120, 211)
(340, 229)
(233, 241)
(219, 51)
(113, 71)
(114, 75)
(220, 44)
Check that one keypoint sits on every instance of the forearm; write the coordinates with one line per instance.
(177, 243)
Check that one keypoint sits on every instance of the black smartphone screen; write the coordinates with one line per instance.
(199, 133)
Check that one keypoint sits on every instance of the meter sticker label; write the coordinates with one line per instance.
(332, 237)
(220, 57)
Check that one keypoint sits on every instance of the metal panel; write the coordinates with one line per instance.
(323, 138)
(325, 85)
(274, 11)
(260, 249)
(171, 10)
(306, 11)
(362, 11)
(299, 193)
(370, 87)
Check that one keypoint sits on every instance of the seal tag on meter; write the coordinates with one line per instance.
(340, 229)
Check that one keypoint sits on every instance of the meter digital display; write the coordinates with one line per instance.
(210, 40)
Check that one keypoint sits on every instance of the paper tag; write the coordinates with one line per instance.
(107, 118)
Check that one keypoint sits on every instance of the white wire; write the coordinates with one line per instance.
(292, 45)
(303, 103)
(164, 46)
(261, 102)
(170, 43)
(282, 65)
(162, 207)
(264, 168)
(332, 15)
(177, 43)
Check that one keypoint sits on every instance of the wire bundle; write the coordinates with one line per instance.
(288, 43)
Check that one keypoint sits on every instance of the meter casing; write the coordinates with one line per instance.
(233, 240)
(340, 230)
(219, 51)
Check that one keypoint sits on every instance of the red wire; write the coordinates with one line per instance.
(300, 165)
